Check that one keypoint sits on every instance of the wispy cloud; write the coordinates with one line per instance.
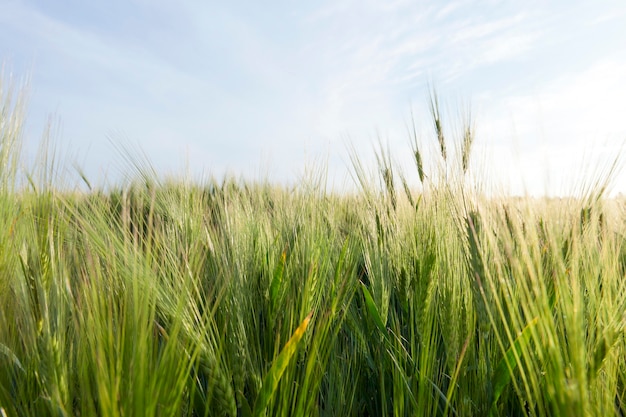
(613, 15)
(230, 81)
(470, 32)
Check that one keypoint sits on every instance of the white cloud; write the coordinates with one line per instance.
(607, 17)
(224, 80)
(574, 119)
(451, 7)
(471, 32)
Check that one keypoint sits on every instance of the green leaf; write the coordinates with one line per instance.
(508, 363)
(246, 411)
(270, 383)
(373, 310)
(9, 354)
(603, 348)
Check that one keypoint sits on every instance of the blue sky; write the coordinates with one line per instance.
(266, 88)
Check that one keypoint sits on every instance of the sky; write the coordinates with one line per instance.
(272, 90)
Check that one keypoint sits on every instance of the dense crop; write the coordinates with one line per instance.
(231, 298)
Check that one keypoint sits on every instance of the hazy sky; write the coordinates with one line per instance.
(263, 88)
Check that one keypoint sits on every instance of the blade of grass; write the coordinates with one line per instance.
(271, 380)
(373, 310)
(508, 363)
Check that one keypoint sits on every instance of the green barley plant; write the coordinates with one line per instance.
(171, 297)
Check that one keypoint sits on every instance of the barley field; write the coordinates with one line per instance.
(233, 298)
